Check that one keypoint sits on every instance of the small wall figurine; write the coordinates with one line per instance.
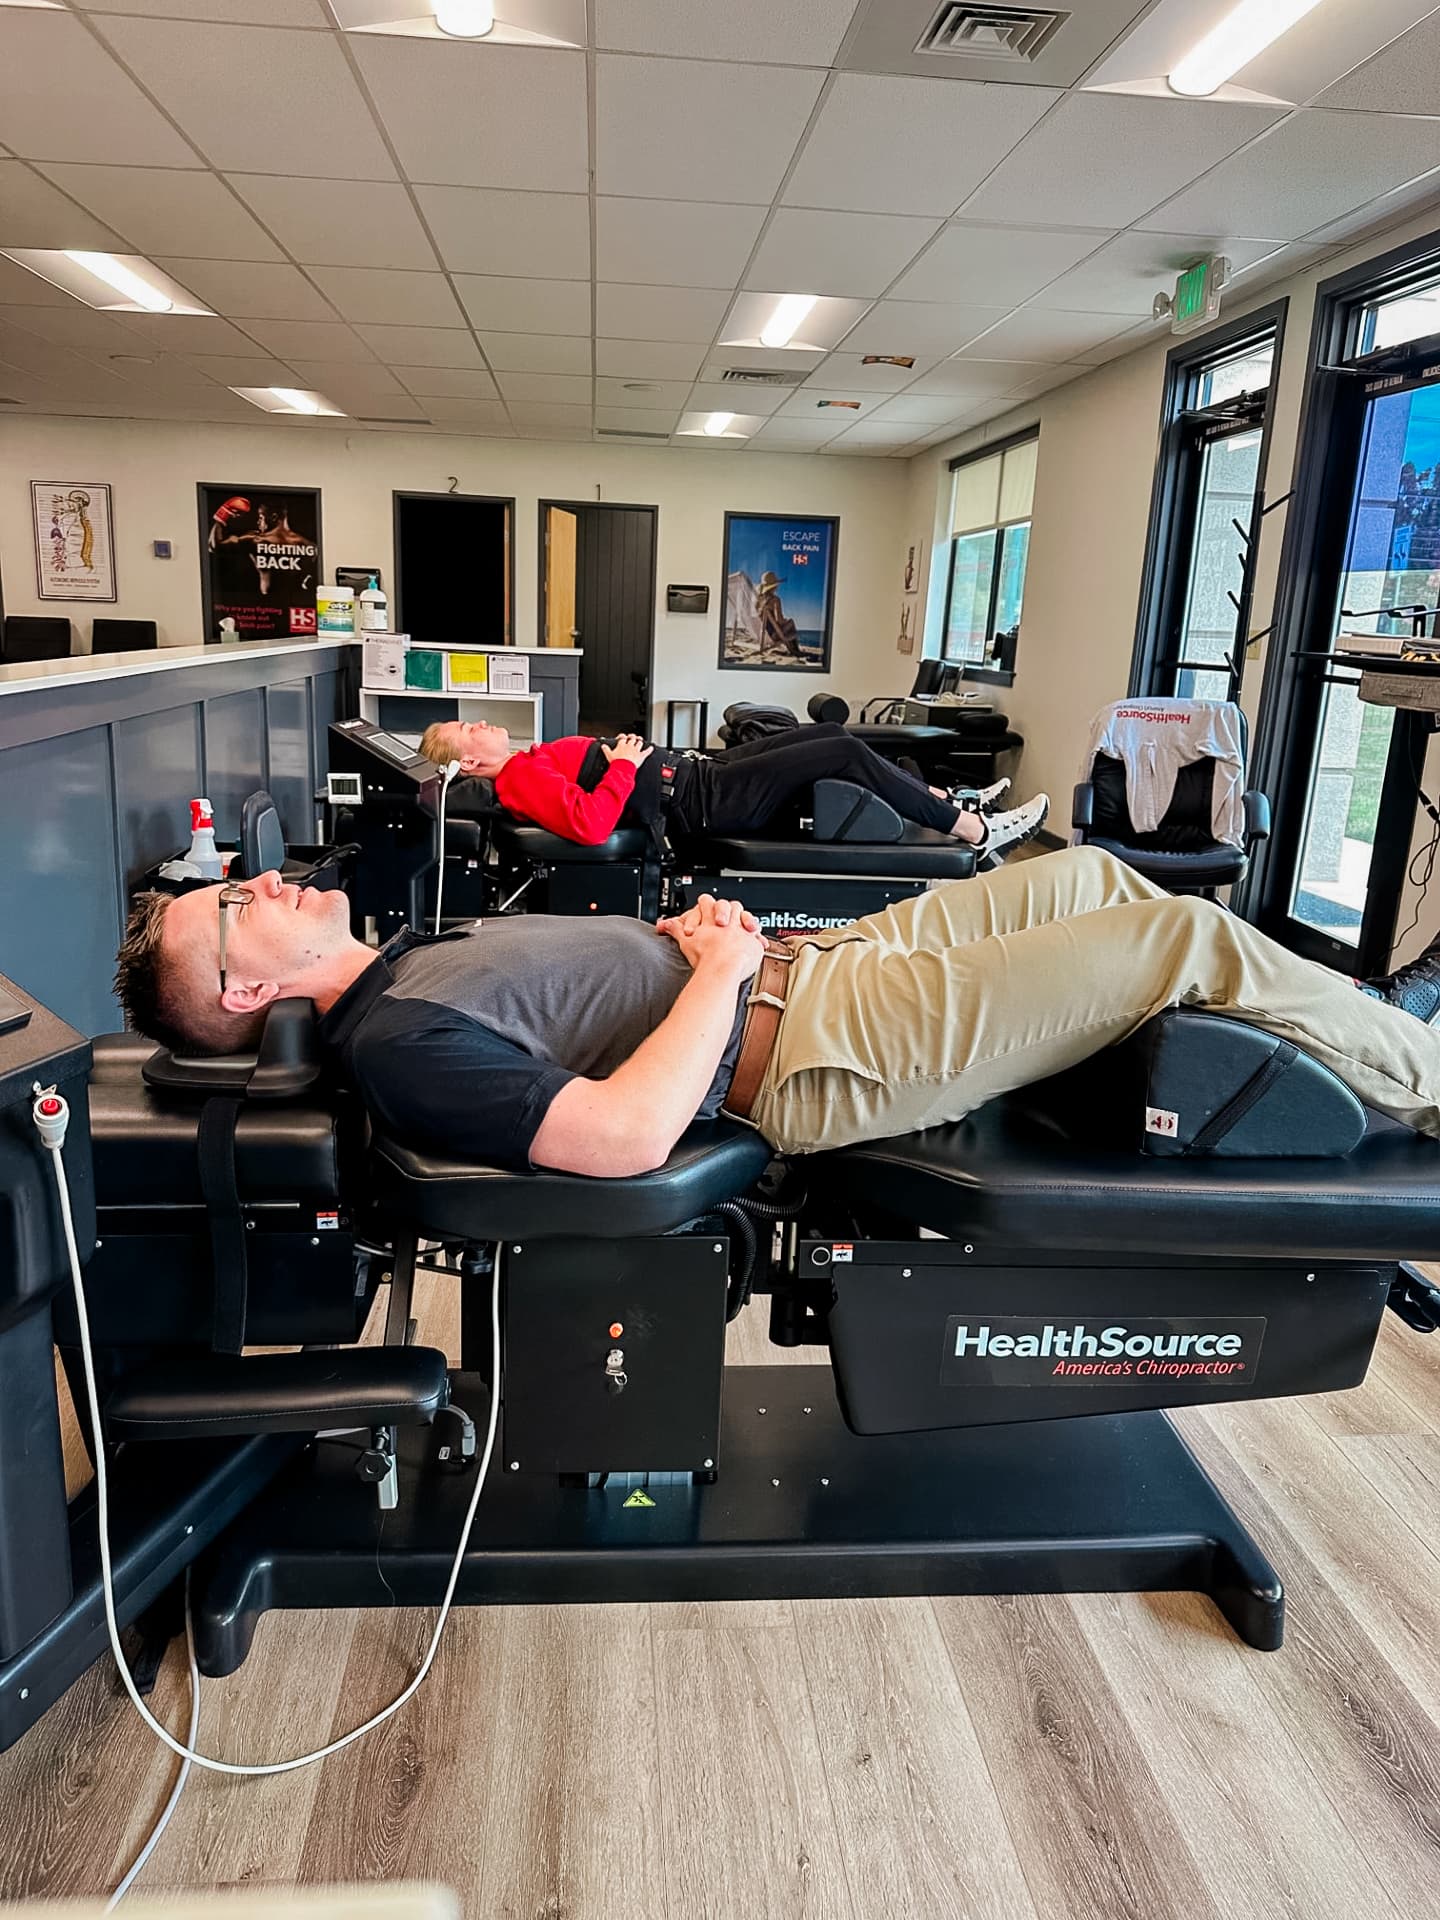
(906, 641)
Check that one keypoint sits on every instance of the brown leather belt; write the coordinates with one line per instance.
(762, 1022)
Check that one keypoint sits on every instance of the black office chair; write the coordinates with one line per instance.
(123, 636)
(35, 636)
(1182, 853)
(262, 847)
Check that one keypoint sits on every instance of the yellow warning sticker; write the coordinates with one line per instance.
(639, 1498)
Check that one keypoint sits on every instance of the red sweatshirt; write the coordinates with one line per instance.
(539, 785)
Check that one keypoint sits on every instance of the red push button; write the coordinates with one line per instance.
(50, 1107)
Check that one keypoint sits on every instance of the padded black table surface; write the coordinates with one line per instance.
(921, 855)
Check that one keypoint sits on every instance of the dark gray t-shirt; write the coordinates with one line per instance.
(461, 1043)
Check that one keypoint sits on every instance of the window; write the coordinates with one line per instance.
(1206, 513)
(991, 498)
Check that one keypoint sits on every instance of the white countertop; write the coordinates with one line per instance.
(81, 669)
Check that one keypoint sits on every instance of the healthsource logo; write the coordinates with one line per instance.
(1011, 1351)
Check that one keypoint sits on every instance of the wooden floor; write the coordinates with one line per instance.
(893, 1760)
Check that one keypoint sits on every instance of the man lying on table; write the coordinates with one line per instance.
(590, 1045)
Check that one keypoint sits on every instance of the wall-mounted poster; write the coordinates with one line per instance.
(779, 592)
(74, 543)
(259, 561)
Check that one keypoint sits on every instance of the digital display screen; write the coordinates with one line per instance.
(392, 748)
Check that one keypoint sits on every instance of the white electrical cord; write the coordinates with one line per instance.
(452, 767)
(52, 1123)
(137, 1865)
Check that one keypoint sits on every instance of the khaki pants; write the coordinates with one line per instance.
(921, 1013)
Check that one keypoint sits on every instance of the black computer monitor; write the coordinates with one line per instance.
(122, 636)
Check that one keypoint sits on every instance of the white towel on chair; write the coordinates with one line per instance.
(1154, 739)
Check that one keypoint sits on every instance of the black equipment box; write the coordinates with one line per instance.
(923, 1337)
(571, 1406)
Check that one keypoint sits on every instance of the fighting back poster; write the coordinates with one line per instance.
(259, 561)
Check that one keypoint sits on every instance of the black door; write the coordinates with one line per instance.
(453, 568)
(614, 614)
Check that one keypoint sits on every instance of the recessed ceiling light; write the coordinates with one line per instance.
(295, 400)
(780, 329)
(717, 423)
(1234, 42)
(115, 283)
(465, 19)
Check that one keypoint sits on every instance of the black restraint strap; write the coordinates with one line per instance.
(842, 832)
(216, 1144)
(1254, 1090)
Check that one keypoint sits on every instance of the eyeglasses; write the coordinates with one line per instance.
(230, 897)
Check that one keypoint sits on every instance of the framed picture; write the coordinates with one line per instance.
(779, 592)
(259, 561)
(74, 540)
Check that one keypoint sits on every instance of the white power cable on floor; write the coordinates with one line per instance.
(51, 1116)
(452, 767)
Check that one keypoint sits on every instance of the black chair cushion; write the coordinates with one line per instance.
(206, 1394)
(1213, 865)
(1011, 1177)
(144, 1140)
(920, 855)
(1185, 826)
(446, 1200)
(517, 840)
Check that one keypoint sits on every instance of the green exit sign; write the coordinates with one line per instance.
(1197, 295)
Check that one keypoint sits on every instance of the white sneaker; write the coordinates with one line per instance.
(1013, 829)
(979, 799)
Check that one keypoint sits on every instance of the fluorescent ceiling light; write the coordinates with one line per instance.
(717, 424)
(123, 279)
(113, 283)
(781, 327)
(294, 400)
(1244, 33)
(465, 19)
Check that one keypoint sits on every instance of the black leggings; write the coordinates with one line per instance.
(744, 788)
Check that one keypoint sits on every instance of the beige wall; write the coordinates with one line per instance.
(154, 468)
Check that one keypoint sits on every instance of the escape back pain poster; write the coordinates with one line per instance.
(259, 561)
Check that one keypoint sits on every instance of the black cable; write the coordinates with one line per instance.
(1421, 870)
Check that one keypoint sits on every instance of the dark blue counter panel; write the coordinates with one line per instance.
(94, 784)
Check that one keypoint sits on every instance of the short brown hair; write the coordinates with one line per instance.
(163, 1001)
(436, 749)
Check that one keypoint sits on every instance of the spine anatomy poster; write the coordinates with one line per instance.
(260, 561)
(74, 542)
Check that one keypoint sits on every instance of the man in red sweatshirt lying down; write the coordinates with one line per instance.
(583, 789)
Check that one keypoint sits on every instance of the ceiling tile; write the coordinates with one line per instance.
(875, 436)
(20, 287)
(785, 430)
(796, 32)
(536, 352)
(163, 373)
(353, 376)
(1120, 343)
(309, 340)
(920, 410)
(33, 213)
(845, 253)
(160, 211)
(256, 98)
(1045, 379)
(90, 110)
(1127, 273)
(525, 306)
(657, 395)
(190, 332)
(458, 383)
(714, 397)
(925, 329)
(240, 370)
(809, 403)
(373, 408)
(386, 296)
(638, 419)
(649, 359)
(481, 116)
(542, 418)
(251, 289)
(339, 223)
(75, 326)
(1312, 169)
(659, 313)
(1103, 159)
(974, 378)
(259, 13)
(848, 370)
(1037, 333)
(1404, 78)
(545, 387)
(481, 230)
(674, 242)
(419, 346)
(1002, 265)
(447, 410)
(885, 144)
(703, 130)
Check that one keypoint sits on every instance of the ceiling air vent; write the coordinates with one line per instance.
(630, 433)
(763, 376)
(976, 31)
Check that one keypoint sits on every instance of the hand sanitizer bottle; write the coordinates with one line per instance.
(374, 609)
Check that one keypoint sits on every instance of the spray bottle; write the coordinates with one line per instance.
(204, 855)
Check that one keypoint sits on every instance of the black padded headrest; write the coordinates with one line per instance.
(828, 708)
(287, 1064)
(262, 838)
(846, 811)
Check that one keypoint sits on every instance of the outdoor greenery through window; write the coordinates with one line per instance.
(989, 549)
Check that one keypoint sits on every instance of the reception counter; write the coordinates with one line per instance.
(99, 756)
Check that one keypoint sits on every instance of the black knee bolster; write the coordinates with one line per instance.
(845, 811)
